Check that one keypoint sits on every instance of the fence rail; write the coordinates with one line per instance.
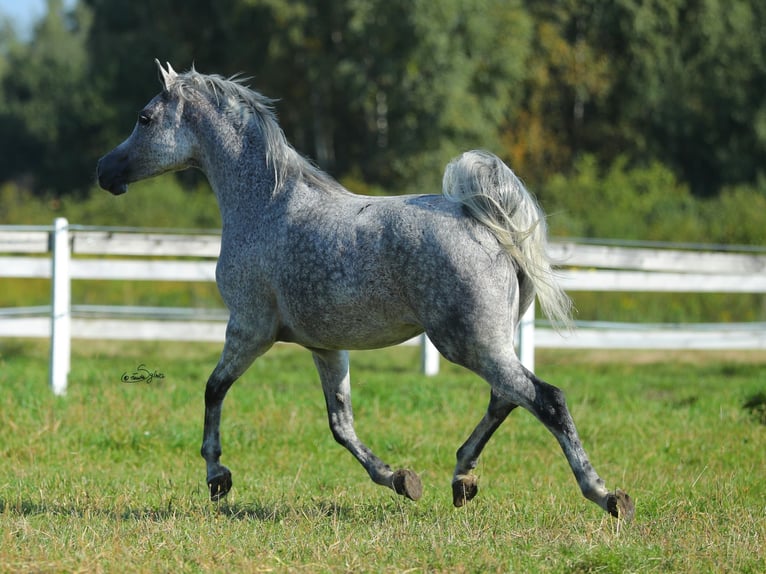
(64, 253)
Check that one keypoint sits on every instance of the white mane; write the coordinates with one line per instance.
(242, 105)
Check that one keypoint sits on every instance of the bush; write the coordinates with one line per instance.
(619, 202)
(649, 204)
(737, 216)
(161, 202)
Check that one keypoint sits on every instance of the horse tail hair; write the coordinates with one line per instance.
(494, 196)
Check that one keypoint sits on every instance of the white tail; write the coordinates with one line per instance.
(495, 197)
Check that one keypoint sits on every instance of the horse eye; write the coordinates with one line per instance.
(144, 119)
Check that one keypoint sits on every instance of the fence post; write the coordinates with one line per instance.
(527, 338)
(429, 356)
(60, 307)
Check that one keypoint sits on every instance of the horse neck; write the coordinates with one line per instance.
(235, 163)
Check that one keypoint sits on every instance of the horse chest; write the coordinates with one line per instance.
(239, 275)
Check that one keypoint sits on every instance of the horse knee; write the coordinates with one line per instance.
(213, 394)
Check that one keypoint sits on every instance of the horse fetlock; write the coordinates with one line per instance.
(464, 488)
(220, 485)
(210, 453)
(620, 505)
(407, 483)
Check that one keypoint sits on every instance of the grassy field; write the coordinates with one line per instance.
(109, 479)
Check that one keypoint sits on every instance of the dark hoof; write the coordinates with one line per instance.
(219, 486)
(464, 488)
(620, 505)
(408, 484)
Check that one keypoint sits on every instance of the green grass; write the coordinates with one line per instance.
(109, 479)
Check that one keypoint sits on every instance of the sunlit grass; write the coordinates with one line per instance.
(109, 477)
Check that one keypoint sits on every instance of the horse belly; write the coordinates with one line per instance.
(355, 325)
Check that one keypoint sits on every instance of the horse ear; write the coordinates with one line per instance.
(166, 77)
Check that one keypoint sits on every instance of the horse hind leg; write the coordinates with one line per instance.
(517, 385)
(464, 483)
(333, 368)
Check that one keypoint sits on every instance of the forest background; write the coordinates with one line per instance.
(629, 119)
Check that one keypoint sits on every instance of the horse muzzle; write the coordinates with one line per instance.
(111, 171)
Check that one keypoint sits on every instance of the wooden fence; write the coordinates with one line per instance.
(65, 253)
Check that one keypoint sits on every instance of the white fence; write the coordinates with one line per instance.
(65, 253)
(592, 267)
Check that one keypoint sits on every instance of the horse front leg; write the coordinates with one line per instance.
(218, 476)
(333, 370)
(239, 352)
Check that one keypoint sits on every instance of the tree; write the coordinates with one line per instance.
(50, 114)
(393, 89)
(387, 91)
(692, 87)
(682, 82)
(127, 36)
(690, 80)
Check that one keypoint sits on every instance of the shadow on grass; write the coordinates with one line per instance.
(756, 406)
(249, 512)
(29, 508)
(276, 513)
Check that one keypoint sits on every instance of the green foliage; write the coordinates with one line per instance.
(737, 215)
(109, 478)
(676, 82)
(621, 202)
(156, 203)
(620, 115)
(693, 85)
(412, 83)
(456, 87)
(649, 203)
(224, 37)
(50, 110)
(569, 77)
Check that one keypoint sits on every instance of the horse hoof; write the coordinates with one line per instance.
(219, 485)
(619, 505)
(408, 484)
(464, 488)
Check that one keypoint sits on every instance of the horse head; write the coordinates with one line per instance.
(162, 140)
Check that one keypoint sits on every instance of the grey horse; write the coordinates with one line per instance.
(306, 261)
